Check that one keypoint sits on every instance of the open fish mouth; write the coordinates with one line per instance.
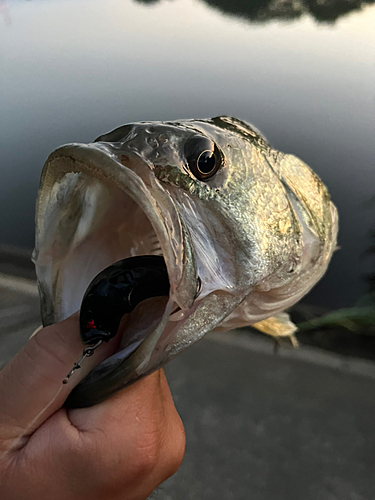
(100, 207)
(163, 231)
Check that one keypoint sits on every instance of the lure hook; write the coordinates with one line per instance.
(87, 352)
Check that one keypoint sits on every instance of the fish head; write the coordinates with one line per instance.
(206, 195)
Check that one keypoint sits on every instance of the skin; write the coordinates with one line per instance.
(122, 448)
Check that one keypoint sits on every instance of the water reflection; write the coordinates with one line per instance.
(260, 11)
(370, 278)
(308, 88)
(4, 12)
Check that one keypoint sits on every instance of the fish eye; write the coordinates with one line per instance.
(203, 157)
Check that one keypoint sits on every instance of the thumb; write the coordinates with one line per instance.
(31, 387)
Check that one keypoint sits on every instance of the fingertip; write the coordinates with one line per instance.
(31, 384)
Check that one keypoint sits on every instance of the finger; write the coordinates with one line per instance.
(141, 400)
(138, 432)
(31, 386)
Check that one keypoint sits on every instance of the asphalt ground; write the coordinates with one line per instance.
(296, 425)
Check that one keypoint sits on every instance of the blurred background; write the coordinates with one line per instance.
(259, 426)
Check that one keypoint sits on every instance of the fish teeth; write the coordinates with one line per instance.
(155, 248)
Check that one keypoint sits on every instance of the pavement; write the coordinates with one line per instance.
(297, 425)
(19, 314)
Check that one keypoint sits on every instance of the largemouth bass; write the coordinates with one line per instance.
(214, 230)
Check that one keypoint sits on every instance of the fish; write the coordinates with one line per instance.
(236, 231)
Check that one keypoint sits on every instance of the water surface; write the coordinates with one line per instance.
(302, 72)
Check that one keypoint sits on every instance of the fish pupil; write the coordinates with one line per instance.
(206, 162)
(203, 157)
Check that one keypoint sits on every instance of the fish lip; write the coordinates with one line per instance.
(102, 162)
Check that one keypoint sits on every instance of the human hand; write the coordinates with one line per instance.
(122, 448)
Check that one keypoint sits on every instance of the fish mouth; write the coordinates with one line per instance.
(97, 206)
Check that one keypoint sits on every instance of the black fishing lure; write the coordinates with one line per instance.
(114, 292)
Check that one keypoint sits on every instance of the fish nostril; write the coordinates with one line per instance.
(162, 138)
(152, 142)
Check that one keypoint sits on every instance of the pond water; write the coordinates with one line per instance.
(301, 71)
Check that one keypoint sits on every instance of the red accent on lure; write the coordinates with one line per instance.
(91, 325)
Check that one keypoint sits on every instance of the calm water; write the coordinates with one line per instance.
(304, 75)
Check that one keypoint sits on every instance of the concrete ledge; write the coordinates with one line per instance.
(314, 355)
(16, 261)
(20, 285)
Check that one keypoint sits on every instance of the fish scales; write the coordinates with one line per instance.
(240, 231)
